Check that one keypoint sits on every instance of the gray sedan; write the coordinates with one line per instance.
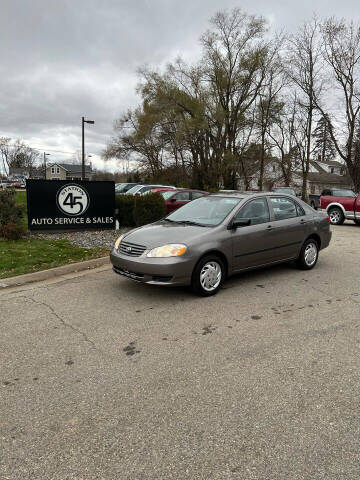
(218, 235)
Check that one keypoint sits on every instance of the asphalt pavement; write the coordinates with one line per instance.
(106, 379)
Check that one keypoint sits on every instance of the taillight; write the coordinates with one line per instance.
(328, 219)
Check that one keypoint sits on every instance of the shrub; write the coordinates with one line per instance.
(149, 208)
(10, 231)
(11, 216)
(125, 206)
(136, 210)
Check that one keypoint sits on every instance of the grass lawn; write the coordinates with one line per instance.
(20, 199)
(34, 254)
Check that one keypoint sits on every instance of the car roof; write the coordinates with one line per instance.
(240, 194)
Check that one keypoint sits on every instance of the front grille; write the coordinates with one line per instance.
(127, 273)
(131, 249)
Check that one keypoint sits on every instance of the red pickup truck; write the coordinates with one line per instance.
(340, 204)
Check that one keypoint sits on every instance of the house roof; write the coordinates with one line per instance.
(73, 168)
(329, 178)
(331, 163)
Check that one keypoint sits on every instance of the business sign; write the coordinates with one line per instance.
(70, 205)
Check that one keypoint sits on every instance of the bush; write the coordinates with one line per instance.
(10, 231)
(136, 210)
(125, 205)
(11, 216)
(149, 208)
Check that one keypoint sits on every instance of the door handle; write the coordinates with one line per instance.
(269, 227)
(303, 221)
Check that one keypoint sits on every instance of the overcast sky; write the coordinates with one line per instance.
(61, 59)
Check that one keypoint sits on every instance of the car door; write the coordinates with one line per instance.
(177, 201)
(290, 227)
(250, 243)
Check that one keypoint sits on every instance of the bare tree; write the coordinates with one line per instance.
(341, 49)
(305, 70)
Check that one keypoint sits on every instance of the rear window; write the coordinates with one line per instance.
(343, 193)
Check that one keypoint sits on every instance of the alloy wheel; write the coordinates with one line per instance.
(335, 216)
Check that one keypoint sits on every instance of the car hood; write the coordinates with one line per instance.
(161, 233)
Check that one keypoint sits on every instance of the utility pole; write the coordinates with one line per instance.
(45, 155)
(83, 146)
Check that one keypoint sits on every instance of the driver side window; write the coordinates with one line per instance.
(256, 210)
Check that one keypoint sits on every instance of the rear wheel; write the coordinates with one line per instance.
(208, 276)
(336, 216)
(308, 255)
(357, 221)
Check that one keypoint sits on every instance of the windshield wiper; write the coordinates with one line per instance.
(190, 222)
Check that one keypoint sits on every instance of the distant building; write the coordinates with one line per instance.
(22, 173)
(322, 174)
(67, 171)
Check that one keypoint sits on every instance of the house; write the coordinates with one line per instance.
(322, 174)
(67, 171)
(22, 173)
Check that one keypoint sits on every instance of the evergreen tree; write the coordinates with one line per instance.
(323, 145)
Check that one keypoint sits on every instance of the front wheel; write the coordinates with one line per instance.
(309, 255)
(336, 216)
(208, 276)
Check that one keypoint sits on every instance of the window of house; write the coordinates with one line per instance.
(52, 169)
(57, 170)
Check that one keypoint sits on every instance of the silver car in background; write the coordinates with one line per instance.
(215, 236)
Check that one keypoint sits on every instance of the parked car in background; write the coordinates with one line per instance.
(159, 190)
(141, 189)
(285, 190)
(341, 204)
(180, 197)
(124, 187)
(218, 235)
(314, 200)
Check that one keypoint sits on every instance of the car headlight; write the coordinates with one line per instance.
(118, 241)
(171, 250)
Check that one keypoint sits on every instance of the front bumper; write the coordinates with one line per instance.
(172, 271)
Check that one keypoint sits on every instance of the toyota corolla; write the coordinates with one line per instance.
(218, 235)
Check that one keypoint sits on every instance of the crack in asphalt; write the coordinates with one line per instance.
(62, 321)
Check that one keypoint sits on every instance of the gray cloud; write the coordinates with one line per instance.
(64, 59)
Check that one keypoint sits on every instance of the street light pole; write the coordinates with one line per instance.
(45, 155)
(83, 146)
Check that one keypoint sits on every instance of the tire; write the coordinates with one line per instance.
(208, 276)
(357, 221)
(336, 216)
(309, 255)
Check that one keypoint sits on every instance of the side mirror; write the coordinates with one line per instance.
(173, 200)
(241, 222)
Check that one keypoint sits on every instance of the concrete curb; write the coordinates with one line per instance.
(53, 272)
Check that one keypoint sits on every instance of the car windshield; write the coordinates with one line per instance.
(343, 193)
(120, 188)
(207, 211)
(134, 189)
(288, 191)
(167, 194)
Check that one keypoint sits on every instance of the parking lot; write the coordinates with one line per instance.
(102, 378)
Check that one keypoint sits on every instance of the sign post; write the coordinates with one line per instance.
(70, 205)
